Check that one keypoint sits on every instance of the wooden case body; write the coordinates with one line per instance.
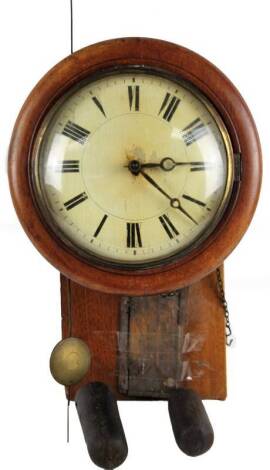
(96, 293)
(95, 317)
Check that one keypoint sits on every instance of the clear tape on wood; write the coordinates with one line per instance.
(148, 365)
(147, 342)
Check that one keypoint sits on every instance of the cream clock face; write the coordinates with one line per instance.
(133, 168)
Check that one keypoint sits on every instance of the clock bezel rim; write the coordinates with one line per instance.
(111, 264)
(188, 66)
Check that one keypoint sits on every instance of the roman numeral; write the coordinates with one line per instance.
(99, 105)
(68, 166)
(170, 105)
(134, 97)
(200, 166)
(168, 226)
(133, 235)
(75, 132)
(192, 199)
(75, 201)
(103, 220)
(194, 131)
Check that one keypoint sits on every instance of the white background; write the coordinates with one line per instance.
(34, 36)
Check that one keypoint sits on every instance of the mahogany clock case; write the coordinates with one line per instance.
(171, 60)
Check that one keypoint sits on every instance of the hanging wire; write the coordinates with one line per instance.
(69, 308)
(71, 27)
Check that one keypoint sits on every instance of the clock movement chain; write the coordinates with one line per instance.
(224, 303)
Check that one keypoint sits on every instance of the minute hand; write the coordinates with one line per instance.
(175, 203)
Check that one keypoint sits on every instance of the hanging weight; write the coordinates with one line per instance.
(191, 426)
(101, 424)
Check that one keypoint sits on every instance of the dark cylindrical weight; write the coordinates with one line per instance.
(101, 425)
(191, 426)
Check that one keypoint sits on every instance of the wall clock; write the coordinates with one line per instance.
(135, 169)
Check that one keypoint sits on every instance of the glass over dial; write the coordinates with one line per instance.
(133, 168)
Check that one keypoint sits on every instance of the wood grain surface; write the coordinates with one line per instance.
(95, 318)
(182, 64)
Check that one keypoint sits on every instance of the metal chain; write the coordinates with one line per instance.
(228, 328)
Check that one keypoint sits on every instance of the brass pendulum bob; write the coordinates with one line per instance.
(70, 361)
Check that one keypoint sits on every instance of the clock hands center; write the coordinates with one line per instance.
(166, 164)
(174, 202)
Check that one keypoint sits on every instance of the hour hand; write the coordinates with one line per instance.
(168, 164)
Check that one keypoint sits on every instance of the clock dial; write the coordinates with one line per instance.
(133, 168)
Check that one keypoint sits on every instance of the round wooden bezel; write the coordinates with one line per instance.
(186, 65)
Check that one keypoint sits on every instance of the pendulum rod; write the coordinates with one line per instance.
(69, 334)
(71, 27)
(69, 308)
(68, 408)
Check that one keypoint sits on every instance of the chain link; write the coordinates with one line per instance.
(228, 328)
